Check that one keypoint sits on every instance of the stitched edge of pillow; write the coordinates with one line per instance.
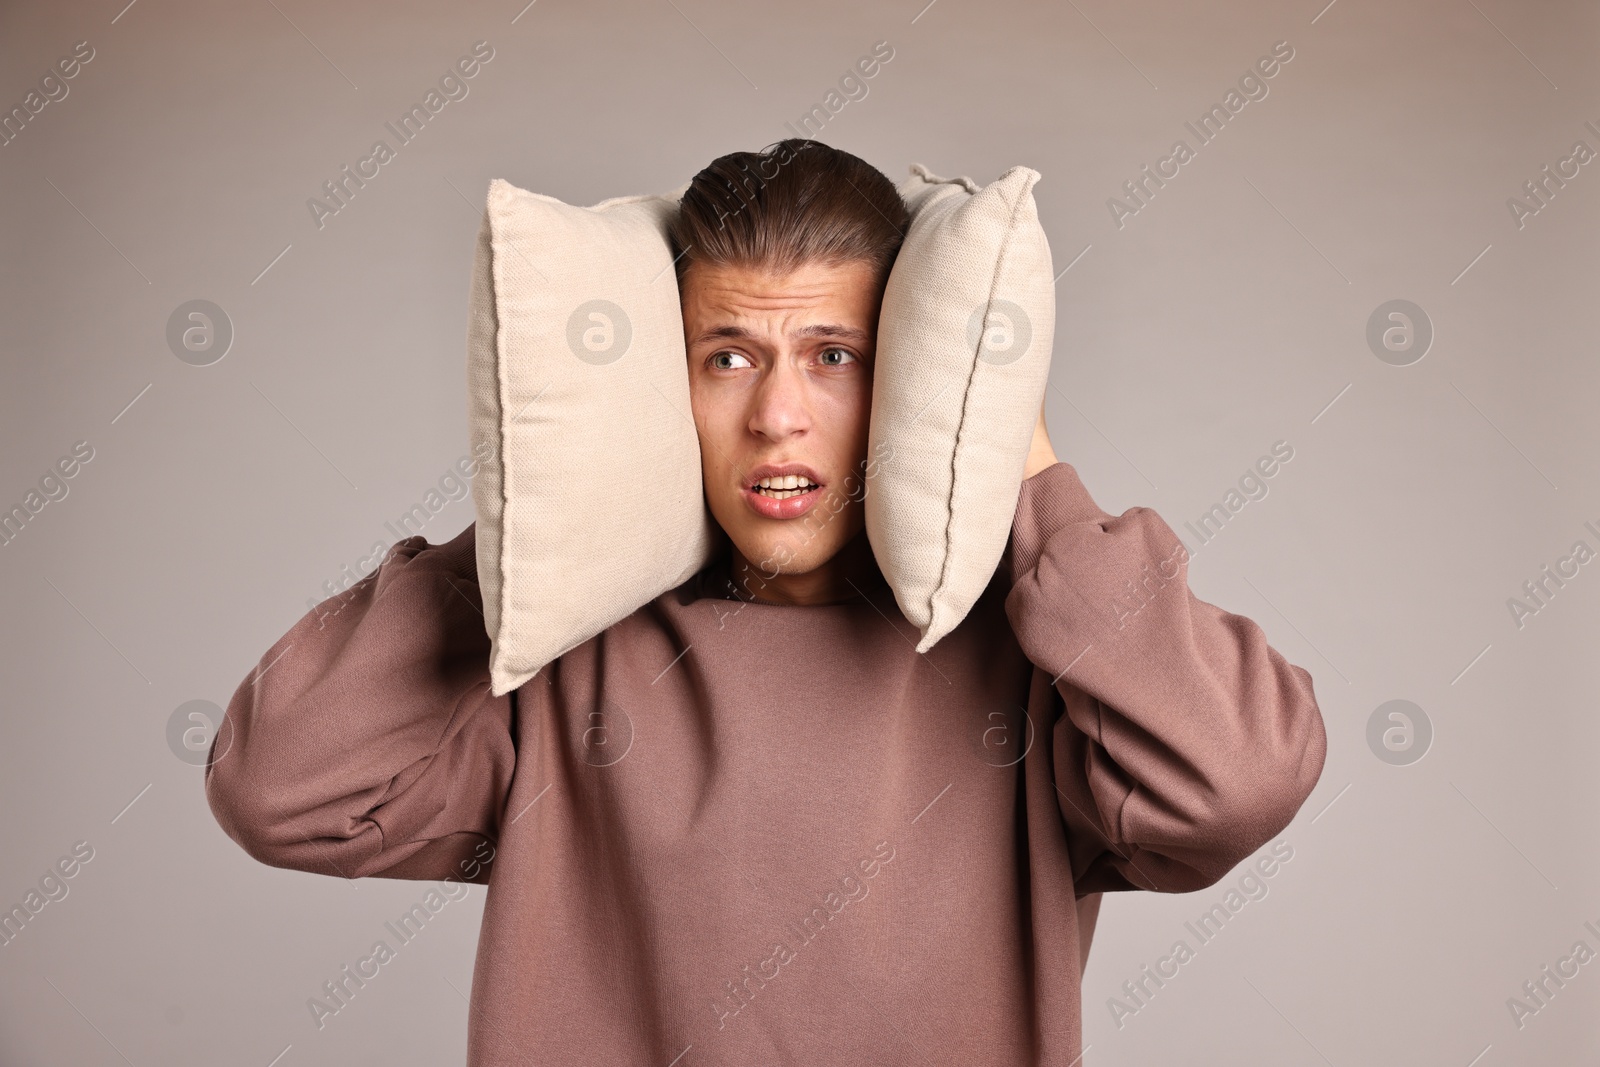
(931, 601)
(501, 673)
(925, 602)
(483, 423)
(945, 597)
(941, 608)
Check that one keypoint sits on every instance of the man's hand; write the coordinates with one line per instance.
(1040, 453)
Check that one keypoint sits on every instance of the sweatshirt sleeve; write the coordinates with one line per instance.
(1185, 742)
(365, 741)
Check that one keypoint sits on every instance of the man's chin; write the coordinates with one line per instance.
(791, 547)
(779, 557)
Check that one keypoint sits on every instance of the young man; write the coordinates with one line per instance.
(749, 824)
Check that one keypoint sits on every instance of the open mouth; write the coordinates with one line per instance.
(784, 487)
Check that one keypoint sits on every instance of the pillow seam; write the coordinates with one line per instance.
(502, 595)
(955, 467)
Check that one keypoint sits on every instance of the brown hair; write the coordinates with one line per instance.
(793, 202)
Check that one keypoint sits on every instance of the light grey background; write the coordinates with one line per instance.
(1228, 314)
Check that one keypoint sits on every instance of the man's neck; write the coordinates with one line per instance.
(849, 574)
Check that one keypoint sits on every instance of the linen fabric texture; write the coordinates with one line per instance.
(963, 359)
(590, 501)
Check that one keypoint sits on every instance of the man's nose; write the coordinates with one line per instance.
(781, 402)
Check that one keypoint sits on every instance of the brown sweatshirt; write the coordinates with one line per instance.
(729, 832)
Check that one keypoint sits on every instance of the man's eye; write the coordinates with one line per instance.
(844, 352)
(727, 355)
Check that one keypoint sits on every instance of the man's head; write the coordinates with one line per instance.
(783, 257)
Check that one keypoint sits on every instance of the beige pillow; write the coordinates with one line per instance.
(590, 503)
(962, 362)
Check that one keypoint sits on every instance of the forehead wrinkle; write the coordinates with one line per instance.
(733, 332)
(745, 303)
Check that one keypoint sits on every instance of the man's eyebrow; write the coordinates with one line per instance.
(849, 333)
(716, 333)
(829, 329)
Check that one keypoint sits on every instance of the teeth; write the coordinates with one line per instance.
(784, 486)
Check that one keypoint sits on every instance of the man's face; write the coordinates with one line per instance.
(780, 378)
